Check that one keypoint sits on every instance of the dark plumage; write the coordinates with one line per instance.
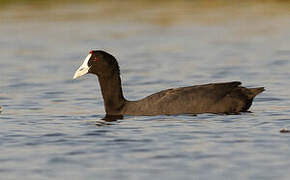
(224, 98)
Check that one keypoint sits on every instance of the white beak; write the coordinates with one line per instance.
(84, 68)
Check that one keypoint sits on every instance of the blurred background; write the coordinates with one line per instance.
(48, 124)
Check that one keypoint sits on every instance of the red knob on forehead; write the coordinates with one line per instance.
(91, 52)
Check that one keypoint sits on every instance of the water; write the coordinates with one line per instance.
(51, 126)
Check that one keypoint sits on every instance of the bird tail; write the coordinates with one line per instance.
(255, 91)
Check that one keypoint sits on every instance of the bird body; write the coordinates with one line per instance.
(228, 98)
(220, 98)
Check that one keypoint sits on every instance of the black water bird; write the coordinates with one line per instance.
(219, 98)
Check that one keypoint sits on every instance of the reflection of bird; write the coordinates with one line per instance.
(227, 98)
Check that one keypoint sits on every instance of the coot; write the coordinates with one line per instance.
(220, 98)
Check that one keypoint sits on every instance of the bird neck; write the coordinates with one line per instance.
(112, 93)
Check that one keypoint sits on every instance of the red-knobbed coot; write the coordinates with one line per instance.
(220, 98)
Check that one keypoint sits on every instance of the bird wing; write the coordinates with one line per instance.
(212, 91)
